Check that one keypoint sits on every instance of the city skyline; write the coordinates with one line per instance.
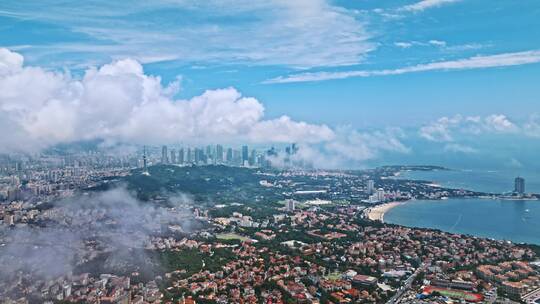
(403, 83)
(269, 151)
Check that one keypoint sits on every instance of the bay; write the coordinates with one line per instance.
(517, 221)
(496, 181)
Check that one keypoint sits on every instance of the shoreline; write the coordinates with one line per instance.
(376, 213)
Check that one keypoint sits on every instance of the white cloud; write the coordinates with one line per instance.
(438, 43)
(407, 10)
(514, 163)
(499, 123)
(403, 45)
(9, 61)
(476, 62)
(442, 46)
(350, 148)
(426, 4)
(532, 126)
(443, 129)
(458, 148)
(361, 146)
(466, 47)
(283, 129)
(118, 102)
(299, 33)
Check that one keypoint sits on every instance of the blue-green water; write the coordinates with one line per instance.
(517, 221)
(497, 181)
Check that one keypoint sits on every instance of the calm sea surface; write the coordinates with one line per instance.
(478, 180)
(517, 221)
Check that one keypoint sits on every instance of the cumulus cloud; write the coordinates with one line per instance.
(440, 130)
(475, 62)
(349, 148)
(426, 4)
(283, 129)
(366, 145)
(443, 129)
(119, 102)
(9, 61)
(499, 123)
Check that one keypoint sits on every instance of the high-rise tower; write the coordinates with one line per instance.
(181, 156)
(145, 164)
(173, 156)
(370, 188)
(519, 185)
(245, 155)
(164, 155)
(229, 155)
(219, 154)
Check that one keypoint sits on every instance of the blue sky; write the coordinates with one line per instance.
(364, 64)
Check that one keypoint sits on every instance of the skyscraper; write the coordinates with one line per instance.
(519, 185)
(189, 156)
(229, 155)
(370, 186)
(219, 154)
(173, 156)
(237, 157)
(181, 156)
(287, 158)
(145, 167)
(294, 148)
(252, 157)
(380, 195)
(209, 154)
(164, 155)
(245, 155)
(261, 161)
(198, 155)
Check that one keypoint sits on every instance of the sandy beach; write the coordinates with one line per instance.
(377, 213)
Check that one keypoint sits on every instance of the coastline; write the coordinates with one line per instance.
(505, 215)
(376, 213)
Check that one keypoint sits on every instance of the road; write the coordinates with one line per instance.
(406, 286)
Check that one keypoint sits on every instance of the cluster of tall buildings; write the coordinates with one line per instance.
(220, 155)
(46, 176)
(376, 195)
(215, 155)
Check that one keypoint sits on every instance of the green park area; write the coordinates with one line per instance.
(333, 276)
